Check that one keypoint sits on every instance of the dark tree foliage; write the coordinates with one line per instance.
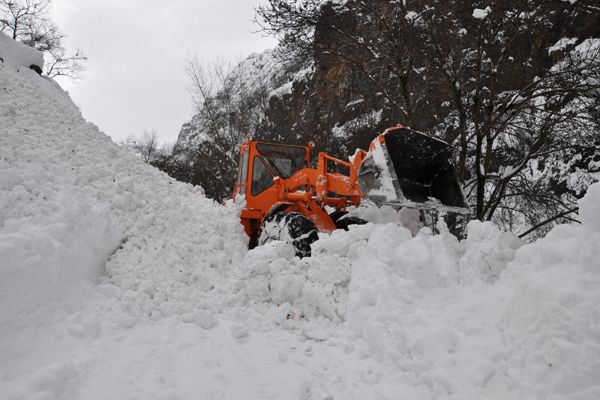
(203, 168)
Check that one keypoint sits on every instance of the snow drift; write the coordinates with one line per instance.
(117, 282)
(75, 208)
(18, 54)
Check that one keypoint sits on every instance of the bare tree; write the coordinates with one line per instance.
(146, 146)
(229, 105)
(19, 16)
(28, 21)
(510, 126)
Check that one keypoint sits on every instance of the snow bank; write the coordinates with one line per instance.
(47, 258)
(484, 318)
(550, 316)
(487, 317)
(16, 53)
(77, 210)
(589, 208)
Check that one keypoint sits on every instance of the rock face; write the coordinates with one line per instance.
(189, 136)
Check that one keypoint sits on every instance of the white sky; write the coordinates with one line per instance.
(135, 76)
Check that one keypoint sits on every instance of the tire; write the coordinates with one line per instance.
(290, 227)
(337, 215)
(345, 221)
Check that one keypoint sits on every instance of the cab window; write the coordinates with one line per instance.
(283, 161)
(261, 178)
(243, 176)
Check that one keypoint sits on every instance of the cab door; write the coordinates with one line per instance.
(261, 194)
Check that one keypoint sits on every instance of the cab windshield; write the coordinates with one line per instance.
(283, 161)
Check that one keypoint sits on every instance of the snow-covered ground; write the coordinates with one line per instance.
(117, 282)
(18, 54)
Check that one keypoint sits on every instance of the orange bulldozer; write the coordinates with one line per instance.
(286, 199)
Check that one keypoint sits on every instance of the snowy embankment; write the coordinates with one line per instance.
(117, 282)
(18, 54)
(74, 204)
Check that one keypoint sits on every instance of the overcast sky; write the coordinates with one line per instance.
(135, 76)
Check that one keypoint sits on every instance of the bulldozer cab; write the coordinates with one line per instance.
(260, 162)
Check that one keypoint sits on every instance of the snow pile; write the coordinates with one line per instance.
(176, 259)
(487, 317)
(477, 320)
(481, 13)
(551, 315)
(589, 208)
(76, 209)
(16, 53)
(319, 286)
(301, 289)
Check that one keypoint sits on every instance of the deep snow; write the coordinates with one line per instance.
(117, 282)
(18, 54)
